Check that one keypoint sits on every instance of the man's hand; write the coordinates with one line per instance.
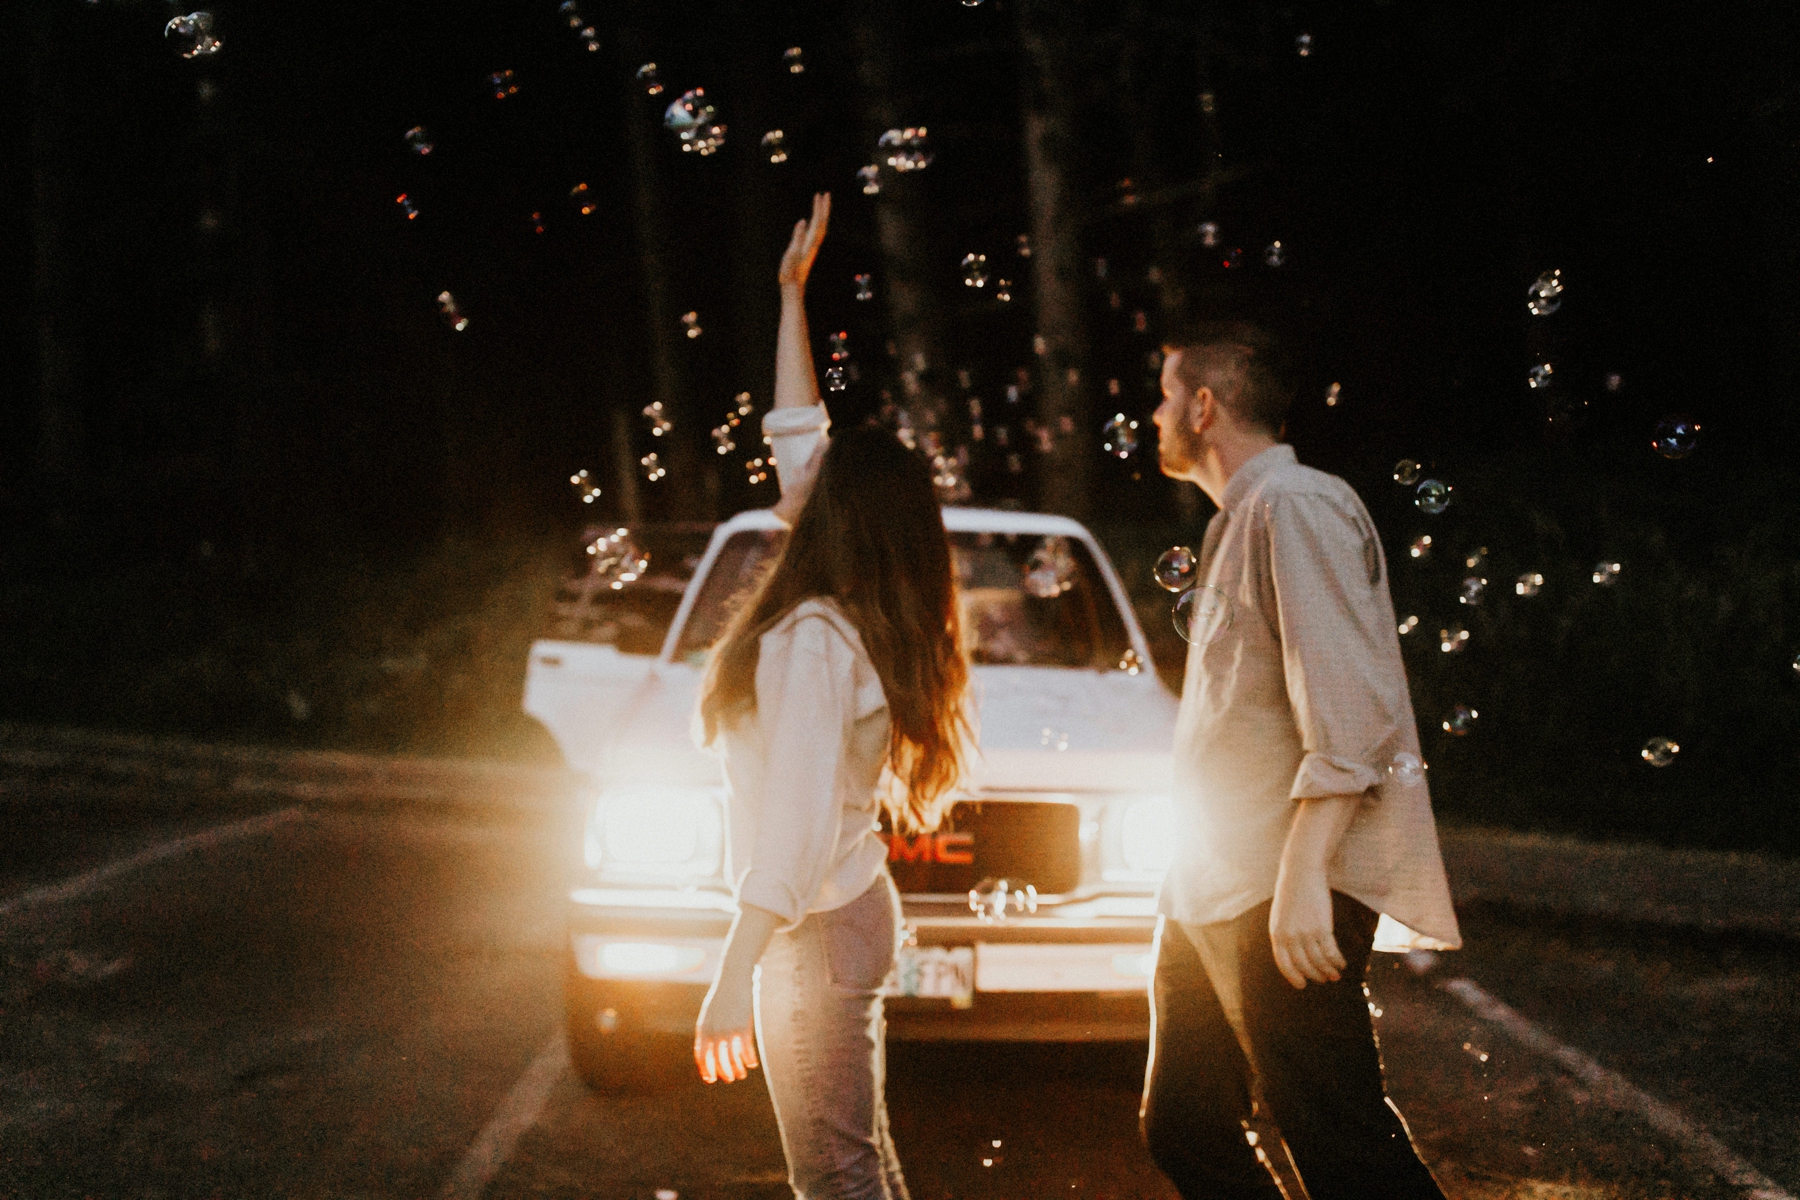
(803, 247)
(725, 1035)
(1300, 927)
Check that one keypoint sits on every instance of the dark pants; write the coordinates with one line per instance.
(1314, 1055)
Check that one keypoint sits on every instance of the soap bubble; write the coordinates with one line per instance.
(537, 222)
(1333, 394)
(1471, 590)
(1461, 720)
(659, 421)
(1407, 472)
(1051, 569)
(1003, 290)
(1421, 546)
(1565, 413)
(756, 470)
(1207, 103)
(584, 200)
(1303, 45)
(617, 559)
(905, 148)
(1209, 234)
(1476, 557)
(418, 141)
(974, 270)
(834, 379)
(503, 84)
(407, 207)
(1432, 497)
(1545, 294)
(585, 486)
(1659, 751)
(1118, 437)
(193, 35)
(1796, 664)
(653, 468)
(1023, 244)
(1676, 437)
(1175, 569)
(1453, 639)
(792, 56)
(1539, 375)
(1232, 258)
(690, 117)
(1407, 769)
(1407, 626)
(870, 178)
(865, 287)
(651, 78)
(1202, 614)
(1605, 573)
(453, 315)
(691, 321)
(1274, 255)
(723, 442)
(1529, 584)
(775, 142)
(1614, 381)
(840, 345)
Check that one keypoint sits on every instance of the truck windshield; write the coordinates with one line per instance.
(1027, 600)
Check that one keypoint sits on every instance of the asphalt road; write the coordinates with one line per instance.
(325, 1003)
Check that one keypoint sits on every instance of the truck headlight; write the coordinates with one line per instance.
(1146, 834)
(657, 832)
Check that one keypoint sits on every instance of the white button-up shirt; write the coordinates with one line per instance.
(1295, 690)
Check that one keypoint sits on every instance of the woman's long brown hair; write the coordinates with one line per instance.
(871, 537)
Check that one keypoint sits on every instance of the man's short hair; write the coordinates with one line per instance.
(1240, 363)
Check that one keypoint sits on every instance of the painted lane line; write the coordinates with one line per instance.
(517, 1113)
(1619, 1092)
(79, 885)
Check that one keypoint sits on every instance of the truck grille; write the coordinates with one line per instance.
(1021, 841)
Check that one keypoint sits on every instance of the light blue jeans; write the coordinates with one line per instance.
(823, 1040)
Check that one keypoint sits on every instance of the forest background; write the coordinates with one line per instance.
(254, 487)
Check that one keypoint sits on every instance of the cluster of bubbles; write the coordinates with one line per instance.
(571, 12)
(193, 36)
(722, 435)
(453, 315)
(1201, 613)
(905, 148)
(658, 419)
(587, 487)
(693, 120)
(1051, 569)
(617, 559)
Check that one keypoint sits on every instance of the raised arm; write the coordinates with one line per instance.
(796, 381)
(797, 423)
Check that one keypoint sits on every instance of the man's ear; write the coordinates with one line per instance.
(1203, 410)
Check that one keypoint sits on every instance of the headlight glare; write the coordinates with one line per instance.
(664, 832)
(1146, 834)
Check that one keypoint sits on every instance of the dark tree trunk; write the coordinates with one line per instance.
(1050, 31)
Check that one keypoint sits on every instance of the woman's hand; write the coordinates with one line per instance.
(725, 1035)
(803, 247)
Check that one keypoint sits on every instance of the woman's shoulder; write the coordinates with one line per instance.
(816, 617)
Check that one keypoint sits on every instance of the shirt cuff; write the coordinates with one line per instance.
(764, 890)
(792, 434)
(1322, 775)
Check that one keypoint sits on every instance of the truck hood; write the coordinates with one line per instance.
(1041, 729)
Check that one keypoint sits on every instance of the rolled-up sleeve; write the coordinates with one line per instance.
(805, 698)
(1345, 682)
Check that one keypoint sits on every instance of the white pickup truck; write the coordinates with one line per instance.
(1029, 914)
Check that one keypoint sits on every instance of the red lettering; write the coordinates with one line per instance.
(955, 849)
(917, 850)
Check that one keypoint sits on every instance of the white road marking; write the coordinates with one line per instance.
(1620, 1092)
(79, 885)
(517, 1113)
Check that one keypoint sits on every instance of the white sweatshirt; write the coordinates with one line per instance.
(801, 771)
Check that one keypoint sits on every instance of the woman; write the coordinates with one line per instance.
(837, 691)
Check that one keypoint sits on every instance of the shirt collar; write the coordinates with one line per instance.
(1246, 477)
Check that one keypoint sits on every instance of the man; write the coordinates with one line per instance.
(1302, 809)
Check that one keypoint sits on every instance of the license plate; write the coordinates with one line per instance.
(937, 972)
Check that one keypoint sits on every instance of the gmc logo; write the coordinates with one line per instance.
(953, 849)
